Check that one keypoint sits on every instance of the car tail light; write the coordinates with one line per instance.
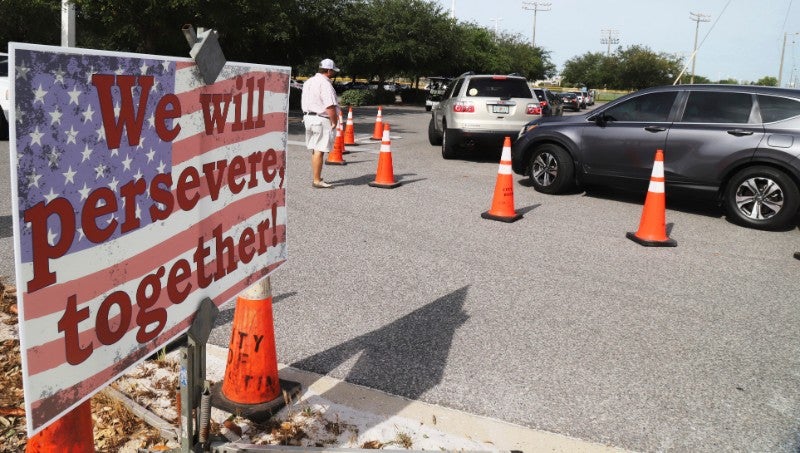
(543, 103)
(464, 107)
(533, 109)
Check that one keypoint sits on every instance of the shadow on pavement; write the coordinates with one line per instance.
(405, 358)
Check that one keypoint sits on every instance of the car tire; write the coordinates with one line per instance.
(434, 137)
(449, 150)
(761, 197)
(551, 169)
(428, 108)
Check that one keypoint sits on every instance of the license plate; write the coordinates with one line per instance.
(499, 109)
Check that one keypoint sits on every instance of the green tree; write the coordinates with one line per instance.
(767, 81)
(640, 67)
(33, 21)
(728, 81)
(591, 70)
(384, 38)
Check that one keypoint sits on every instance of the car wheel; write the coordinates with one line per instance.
(448, 148)
(434, 137)
(428, 108)
(761, 197)
(551, 169)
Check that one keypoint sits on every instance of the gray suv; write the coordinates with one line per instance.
(740, 144)
(478, 111)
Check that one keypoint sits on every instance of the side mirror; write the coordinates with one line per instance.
(600, 119)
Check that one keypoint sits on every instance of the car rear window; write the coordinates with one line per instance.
(718, 107)
(499, 88)
(774, 108)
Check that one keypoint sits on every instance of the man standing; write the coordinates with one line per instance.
(320, 115)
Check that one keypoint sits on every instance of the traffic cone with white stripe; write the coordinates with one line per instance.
(377, 133)
(653, 225)
(335, 156)
(384, 177)
(70, 433)
(349, 131)
(503, 201)
(251, 387)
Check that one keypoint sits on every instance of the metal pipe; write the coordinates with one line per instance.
(191, 36)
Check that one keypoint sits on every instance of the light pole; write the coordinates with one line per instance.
(783, 50)
(609, 36)
(697, 17)
(535, 7)
(453, 10)
(496, 20)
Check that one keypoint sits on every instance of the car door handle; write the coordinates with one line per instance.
(655, 129)
(740, 132)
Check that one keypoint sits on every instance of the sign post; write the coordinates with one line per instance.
(139, 191)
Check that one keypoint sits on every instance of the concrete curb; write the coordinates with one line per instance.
(504, 435)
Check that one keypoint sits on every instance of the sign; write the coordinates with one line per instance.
(138, 191)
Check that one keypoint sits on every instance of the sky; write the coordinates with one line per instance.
(741, 40)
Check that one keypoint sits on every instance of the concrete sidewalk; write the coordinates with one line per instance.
(503, 435)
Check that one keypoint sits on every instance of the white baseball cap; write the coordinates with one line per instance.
(328, 64)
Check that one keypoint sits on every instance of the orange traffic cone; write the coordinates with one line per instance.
(341, 122)
(349, 132)
(71, 433)
(384, 177)
(503, 201)
(251, 386)
(377, 133)
(652, 228)
(335, 156)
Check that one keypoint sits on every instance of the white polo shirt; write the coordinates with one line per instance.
(318, 94)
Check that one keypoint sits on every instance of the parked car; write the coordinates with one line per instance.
(436, 88)
(740, 144)
(550, 102)
(581, 99)
(481, 110)
(588, 96)
(570, 101)
(342, 87)
(5, 97)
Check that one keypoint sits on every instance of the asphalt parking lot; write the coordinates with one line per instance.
(555, 322)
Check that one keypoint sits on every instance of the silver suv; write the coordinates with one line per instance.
(478, 111)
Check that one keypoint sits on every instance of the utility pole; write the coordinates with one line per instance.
(697, 17)
(535, 7)
(496, 20)
(453, 10)
(783, 50)
(609, 36)
(67, 24)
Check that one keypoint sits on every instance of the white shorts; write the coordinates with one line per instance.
(319, 133)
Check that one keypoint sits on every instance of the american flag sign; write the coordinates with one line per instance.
(138, 191)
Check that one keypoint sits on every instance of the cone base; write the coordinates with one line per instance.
(384, 185)
(258, 413)
(797, 255)
(501, 218)
(376, 139)
(340, 162)
(648, 243)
